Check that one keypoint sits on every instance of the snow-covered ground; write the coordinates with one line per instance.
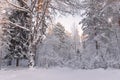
(59, 74)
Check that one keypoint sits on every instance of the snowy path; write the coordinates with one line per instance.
(59, 74)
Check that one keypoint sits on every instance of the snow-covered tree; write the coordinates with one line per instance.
(76, 37)
(101, 24)
(37, 16)
(54, 51)
(17, 40)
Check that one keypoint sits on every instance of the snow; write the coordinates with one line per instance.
(59, 74)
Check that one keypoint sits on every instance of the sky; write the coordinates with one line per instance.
(69, 21)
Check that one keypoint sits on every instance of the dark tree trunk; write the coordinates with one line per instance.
(17, 62)
(9, 62)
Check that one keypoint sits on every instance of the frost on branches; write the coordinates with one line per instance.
(26, 25)
(101, 23)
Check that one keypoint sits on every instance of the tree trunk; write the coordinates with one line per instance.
(0, 59)
(32, 53)
(31, 60)
(9, 62)
(17, 62)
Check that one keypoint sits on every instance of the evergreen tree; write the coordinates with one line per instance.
(18, 44)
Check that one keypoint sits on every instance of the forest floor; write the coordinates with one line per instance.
(58, 74)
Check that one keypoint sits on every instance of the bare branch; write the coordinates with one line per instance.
(7, 22)
(24, 3)
(18, 7)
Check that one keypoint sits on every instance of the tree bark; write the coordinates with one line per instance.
(32, 53)
(9, 62)
(17, 62)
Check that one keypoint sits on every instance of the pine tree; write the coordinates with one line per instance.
(18, 45)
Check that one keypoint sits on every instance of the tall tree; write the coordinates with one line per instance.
(18, 45)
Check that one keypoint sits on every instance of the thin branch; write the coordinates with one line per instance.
(33, 3)
(62, 10)
(26, 5)
(18, 7)
(6, 22)
(19, 26)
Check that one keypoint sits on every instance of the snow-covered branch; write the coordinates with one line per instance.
(18, 7)
(15, 24)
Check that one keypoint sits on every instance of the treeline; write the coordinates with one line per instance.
(26, 41)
